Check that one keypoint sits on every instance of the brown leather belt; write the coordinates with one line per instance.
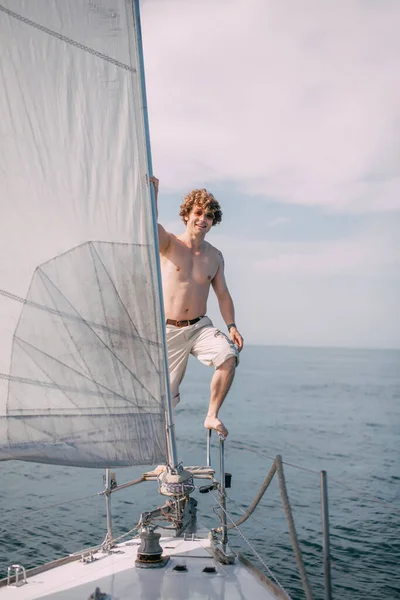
(183, 323)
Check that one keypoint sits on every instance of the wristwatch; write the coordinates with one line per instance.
(231, 325)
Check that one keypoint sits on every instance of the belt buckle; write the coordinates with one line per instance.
(182, 323)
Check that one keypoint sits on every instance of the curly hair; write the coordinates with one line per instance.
(204, 200)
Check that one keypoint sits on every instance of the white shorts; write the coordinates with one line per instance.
(204, 341)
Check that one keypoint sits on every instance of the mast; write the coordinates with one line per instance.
(170, 430)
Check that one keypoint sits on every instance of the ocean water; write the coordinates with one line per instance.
(331, 409)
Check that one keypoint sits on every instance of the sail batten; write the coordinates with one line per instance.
(82, 359)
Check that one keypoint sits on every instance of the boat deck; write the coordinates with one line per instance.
(117, 577)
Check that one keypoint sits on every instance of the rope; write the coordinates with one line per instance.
(277, 467)
(106, 543)
(126, 534)
(370, 497)
(253, 518)
(257, 499)
(292, 528)
(256, 554)
(310, 551)
(66, 39)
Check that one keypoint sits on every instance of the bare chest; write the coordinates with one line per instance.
(184, 265)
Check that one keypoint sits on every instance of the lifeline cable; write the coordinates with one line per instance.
(278, 467)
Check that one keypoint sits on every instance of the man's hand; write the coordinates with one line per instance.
(163, 236)
(156, 183)
(236, 338)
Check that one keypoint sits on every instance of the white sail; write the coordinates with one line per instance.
(82, 375)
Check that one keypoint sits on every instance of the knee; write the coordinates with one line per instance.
(175, 400)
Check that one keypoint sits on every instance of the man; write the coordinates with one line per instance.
(189, 265)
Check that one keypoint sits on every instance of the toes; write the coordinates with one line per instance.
(217, 426)
(221, 430)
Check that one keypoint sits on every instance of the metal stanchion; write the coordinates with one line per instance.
(108, 505)
(208, 458)
(222, 491)
(325, 536)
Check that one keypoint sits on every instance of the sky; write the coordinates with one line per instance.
(289, 113)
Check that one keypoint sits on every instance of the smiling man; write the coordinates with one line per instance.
(189, 266)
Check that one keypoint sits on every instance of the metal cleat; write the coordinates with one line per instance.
(88, 558)
(18, 570)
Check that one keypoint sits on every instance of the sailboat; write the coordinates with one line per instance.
(83, 368)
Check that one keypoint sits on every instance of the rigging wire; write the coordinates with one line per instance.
(267, 525)
(241, 446)
(47, 506)
(316, 553)
(278, 468)
(256, 554)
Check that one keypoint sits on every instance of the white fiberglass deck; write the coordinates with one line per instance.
(116, 575)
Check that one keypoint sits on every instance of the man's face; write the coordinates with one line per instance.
(200, 219)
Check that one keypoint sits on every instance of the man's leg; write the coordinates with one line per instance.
(220, 384)
(178, 355)
(214, 349)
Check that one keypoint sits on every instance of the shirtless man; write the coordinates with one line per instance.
(189, 265)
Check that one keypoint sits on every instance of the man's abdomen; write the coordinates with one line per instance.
(185, 300)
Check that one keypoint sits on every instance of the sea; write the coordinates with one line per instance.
(334, 410)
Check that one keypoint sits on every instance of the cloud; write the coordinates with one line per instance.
(370, 249)
(278, 221)
(299, 102)
(337, 293)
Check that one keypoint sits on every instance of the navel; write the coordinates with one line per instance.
(178, 268)
(186, 310)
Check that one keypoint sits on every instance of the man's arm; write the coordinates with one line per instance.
(226, 303)
(163, 236)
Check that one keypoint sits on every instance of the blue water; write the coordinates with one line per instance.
(331, 409)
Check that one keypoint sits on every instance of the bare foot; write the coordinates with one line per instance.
(217, 424)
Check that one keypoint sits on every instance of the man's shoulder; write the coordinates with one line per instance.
(215, 253)
(170, 245)
(173, 239)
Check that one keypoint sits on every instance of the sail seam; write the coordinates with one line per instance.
(30, 423)
(110, 340)
(44, 278)
(67, 40)
(72, 414)
(77, 317)
(48, 375)
(138, 336)
(46, 384)
(74, 371)
(104, 344)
